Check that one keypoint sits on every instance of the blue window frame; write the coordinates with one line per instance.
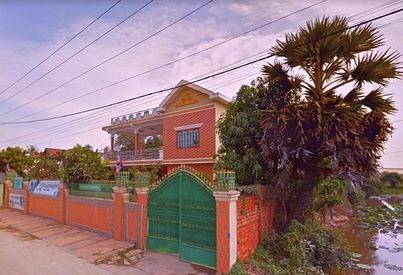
(187, 138)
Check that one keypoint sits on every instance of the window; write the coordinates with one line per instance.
(187, 138)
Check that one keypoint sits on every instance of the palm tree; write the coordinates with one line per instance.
(339, 125)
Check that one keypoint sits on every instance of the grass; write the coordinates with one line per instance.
(388, 190)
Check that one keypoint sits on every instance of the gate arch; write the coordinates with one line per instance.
(182, 218)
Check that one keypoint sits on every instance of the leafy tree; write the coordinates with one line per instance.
(43, 168)
(328, 132)
(32, 150)
(82, 163)
(124, 143)
(392, 178)
(16, 157)
(240, 132)
(240, 135)
(153, 142)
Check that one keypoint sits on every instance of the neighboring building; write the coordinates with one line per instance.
(53, 153)
(186, 119)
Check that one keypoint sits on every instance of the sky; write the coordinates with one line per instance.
(31, 30)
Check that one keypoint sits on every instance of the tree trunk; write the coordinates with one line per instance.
(302, 205)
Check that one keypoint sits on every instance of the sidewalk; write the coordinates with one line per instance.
(35, 245)
(81, 243)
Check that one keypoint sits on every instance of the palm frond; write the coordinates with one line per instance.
(377, 101)
(377, 67)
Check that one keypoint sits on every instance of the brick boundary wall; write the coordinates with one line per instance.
(91, 214)
(115, 218)
(44, 206)
(254, 221)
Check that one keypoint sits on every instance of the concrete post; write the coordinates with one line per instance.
(118, 200)
(7, 185)
(61, 211)
(226, 225)
(26, 198)
(142, 200)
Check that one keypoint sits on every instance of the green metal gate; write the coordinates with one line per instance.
(182, 219)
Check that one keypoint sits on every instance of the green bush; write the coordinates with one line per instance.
(238, 269)
(356, 197)
(328, 193)
(303, 249)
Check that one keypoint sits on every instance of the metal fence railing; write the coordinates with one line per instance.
(92, 189)
(104, 189)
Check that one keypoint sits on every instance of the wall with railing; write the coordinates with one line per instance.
(113, 216)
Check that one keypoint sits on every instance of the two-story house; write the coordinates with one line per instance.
(186, 120)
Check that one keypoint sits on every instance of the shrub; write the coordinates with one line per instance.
(303, 249)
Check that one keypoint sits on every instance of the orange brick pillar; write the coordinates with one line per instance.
(118, 201)
(7, 185)
(61, 207)
(226, 230)
(26, 198)
(141, 194)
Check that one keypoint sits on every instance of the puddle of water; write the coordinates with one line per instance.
(376, 247)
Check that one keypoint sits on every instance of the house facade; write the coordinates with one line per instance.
(186, 120)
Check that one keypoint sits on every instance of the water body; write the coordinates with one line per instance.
(379, 250)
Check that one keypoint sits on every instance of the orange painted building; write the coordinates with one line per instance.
(186, 120)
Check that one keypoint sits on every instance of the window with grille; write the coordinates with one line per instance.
(187, 138)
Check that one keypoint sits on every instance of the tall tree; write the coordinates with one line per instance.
(153, 142)
(82, 163)
(240, 133)
(340, 125)
(124, 143)
(17, 159)
(42, 167)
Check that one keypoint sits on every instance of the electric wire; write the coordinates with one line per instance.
(59, 48)
(179, 59)
(108, 59)
(203, 78)
(76, 53)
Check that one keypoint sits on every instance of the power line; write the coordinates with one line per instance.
(58, 129)
(177, 60)
(110, 58)
(377, 9)
(203, 78)
(108, 111)
(76, 53)
(73, 134)
(58, 49)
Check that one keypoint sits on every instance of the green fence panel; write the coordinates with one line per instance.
(91, 194)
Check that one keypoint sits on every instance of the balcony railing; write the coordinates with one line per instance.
(146, 154)
(135, 116)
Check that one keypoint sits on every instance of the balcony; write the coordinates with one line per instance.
(146, 154)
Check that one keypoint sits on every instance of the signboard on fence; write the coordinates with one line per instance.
(18, 183)
(16, 201)
(48, 188)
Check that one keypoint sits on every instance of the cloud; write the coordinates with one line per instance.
(215, 23)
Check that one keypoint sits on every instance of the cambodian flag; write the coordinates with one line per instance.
(119, 165)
